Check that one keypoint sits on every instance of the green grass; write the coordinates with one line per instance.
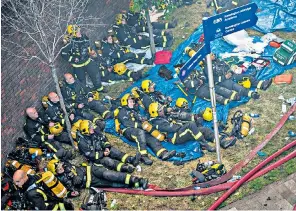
(166, 175)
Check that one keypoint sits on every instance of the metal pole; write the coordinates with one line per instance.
(213, 101)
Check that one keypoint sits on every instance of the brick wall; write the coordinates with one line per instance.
(23, 84)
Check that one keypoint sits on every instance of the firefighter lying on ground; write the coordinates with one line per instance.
(139, 22)
(129, 123)
(77, 53)
(127, 37)
(36, 129)
(118, 72)
(112, 50)
(222, 77)
(180, 133)
(94, 145)
(80, 177)
(150, 95)
(79, 97)
(37, 195)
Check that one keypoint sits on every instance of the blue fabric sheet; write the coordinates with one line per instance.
(192, 148)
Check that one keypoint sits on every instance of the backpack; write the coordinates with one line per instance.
(163, 57)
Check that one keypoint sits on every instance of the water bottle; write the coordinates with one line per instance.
(291, 133)
(236, 177)
(254, 115)
(284, 108)
(251, 131)
(292, 117)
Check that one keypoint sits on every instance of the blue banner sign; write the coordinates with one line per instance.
(192, 63)
(229, 22)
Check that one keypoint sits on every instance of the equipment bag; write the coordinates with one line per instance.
(164, 72)
(163, 57)
(97, 200)
(283, 79)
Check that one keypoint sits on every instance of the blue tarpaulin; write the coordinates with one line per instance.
(218, 46)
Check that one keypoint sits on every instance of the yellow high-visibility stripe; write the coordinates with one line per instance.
(50, 146)
(142, 60)
(259, 84)
(62, 206)
(70, 58)
(143, 152)
(127, 179)
(174, 138)
(233, 95)
(97, 155)
(234, 3)
(124, 158)
(160, 151)
(136, 124)
(83, 64)
(220, 79)
(250, 93)
(166, 26)
(88, 176)
(104, 113)
(119, 166)
(118, 54)
(42, 193)
(56, 207)
(226, 101)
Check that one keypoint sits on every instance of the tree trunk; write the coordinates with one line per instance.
(150, 29)
(68, 124)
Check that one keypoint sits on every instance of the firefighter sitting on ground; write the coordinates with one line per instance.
(80, 177)
(138, 21)
(112, 50)
(181, 133)
(94, 145)
(127, 37)
(118, 72)
(38, 195)
(130, 124)
(223, 78)
(36, 129)
(79, 97)
(77, 52)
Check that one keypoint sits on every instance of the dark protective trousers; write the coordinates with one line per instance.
(133, 58)
(223, 95)
(98, 107)
(115, 160)
(93, 71)
(231, 85)
(143, 140)
(188, 132)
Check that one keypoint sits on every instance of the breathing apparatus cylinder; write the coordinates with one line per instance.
(155, 133)
(190, 51)
(246, 125)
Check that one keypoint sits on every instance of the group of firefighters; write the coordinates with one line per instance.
(107, 165)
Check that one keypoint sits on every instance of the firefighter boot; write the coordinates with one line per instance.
(127, 168)
(255, 95)
(101, 124)
(226, 142)
(168, 154)
(146, 160)
(134, 160)
(143, 183)
(266, 84)
(206, 146)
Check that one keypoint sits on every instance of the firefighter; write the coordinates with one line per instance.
(128, 122)
(36, 128)
(77, 52)
(138, 21)
(36, 196)
(222, 77)
(128, 37)
(196, 84)
(248, 81)
(150, 95)
(94, 145)
(112, 50)
(77, 95)
(118, 72)
(181, 133)
(81, 177)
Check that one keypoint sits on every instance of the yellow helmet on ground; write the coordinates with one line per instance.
(85, 126)
(44, 101)
(56, 129)
(145, 85)
(118, 19)
(52, 166)
(208, 114)
(72, 30)
(153, 109)
(181, 102)
(124, 99)
(120, 68)
(245, 82)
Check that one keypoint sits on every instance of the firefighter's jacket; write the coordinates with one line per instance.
(220, 69)
(129, 118)
(165, 126)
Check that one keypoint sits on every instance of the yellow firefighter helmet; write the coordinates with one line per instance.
(145, 85)
(84, 127)
(181, 102)
(120, 68)
(153, 109)
(52, 166)
(72, 30)
(124, 99)
(208, 114)
(56, 129)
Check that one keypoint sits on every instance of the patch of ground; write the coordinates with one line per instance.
(166, 175)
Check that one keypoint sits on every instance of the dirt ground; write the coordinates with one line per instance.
(167, 175)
